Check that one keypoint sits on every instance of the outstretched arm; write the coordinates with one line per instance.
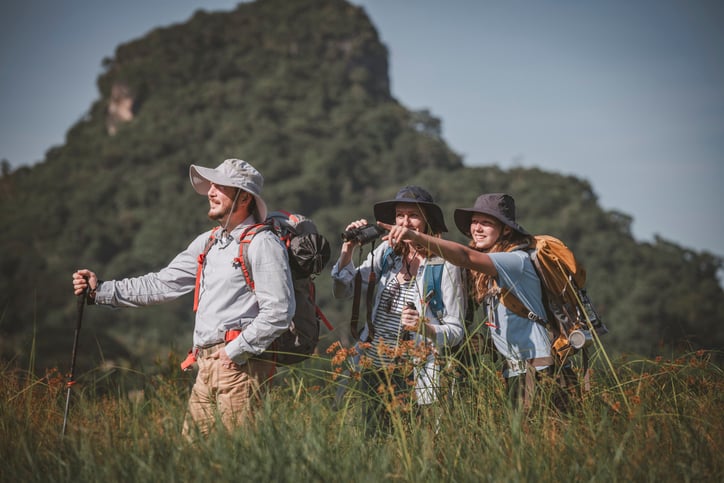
(451, 251)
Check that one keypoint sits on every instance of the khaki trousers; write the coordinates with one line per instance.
(228, 394)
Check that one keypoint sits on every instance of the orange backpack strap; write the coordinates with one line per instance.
(244, 240)
(200, 267)
(511, 302)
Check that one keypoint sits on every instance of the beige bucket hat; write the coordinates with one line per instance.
(236, 173)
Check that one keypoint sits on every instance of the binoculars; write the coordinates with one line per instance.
(363, 234)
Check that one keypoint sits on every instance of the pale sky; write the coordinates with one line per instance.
(627, 94)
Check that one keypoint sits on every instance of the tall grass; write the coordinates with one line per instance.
(669, 428)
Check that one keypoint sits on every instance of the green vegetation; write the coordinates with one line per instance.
(660, 422)
(301, 90)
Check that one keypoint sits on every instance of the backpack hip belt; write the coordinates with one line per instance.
(522, 365)
(198, 352)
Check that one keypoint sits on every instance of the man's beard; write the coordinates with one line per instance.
(218, 215)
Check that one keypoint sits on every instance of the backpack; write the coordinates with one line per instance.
(570, 316)
(308, 252)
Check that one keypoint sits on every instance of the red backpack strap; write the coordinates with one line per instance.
(244, 240)
(200, 267)
(286, 238)
(313, 298)
(292, 217)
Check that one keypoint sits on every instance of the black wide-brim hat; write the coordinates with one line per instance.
(498, 205)
(385, 210)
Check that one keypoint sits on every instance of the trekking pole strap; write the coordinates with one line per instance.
(371, 282)
(354, 318)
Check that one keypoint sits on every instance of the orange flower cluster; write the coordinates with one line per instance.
(406, 353)
(350, 359)
(405, 356)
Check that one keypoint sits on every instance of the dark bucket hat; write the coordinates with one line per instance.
(498, 205)
(385, 210)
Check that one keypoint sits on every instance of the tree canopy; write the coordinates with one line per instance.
(300, 90)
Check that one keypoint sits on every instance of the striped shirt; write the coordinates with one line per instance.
(388, 329)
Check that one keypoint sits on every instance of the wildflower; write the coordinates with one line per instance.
(55, 379)
(333, 347)
(365, 362)
(339, 357)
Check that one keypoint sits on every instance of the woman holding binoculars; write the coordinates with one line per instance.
(415, 307)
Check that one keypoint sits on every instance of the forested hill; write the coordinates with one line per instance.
(301, 90)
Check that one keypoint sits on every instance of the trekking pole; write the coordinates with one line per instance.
(71, 381)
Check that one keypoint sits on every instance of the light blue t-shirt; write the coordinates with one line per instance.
(517, 338)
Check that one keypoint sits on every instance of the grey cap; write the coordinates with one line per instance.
(235, 173)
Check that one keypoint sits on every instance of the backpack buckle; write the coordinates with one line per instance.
(516, 365)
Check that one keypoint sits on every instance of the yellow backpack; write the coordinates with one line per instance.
(570, 315)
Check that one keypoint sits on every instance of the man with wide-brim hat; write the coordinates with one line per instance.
(234, 173)
(234, 321)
